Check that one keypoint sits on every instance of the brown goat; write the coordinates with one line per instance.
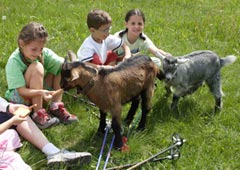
(132, 80)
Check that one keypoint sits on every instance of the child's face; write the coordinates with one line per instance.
(135, 25)
(101, 33)
(32, 50)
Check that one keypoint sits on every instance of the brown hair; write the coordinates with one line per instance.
(133, 12)
(130, 13)
(31, 32)
(97, 17)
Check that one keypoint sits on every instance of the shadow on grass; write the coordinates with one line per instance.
(188, 108)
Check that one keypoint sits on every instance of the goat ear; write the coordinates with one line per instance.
(75, 74)
(72, 56)
(171, 59)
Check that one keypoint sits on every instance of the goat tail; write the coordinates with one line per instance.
(228, 60)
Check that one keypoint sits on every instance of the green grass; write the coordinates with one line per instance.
(176, 26)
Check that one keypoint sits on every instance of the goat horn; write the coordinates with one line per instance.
(72, 56)
(96, 71)
(65, 65)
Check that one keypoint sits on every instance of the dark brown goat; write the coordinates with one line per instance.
(109, 89)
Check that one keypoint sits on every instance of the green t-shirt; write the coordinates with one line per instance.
(16, 68)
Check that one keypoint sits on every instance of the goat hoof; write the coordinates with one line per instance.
(124, 148)
(117, 147)
(217, 109)
(122, 145)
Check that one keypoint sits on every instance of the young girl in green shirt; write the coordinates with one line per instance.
(33, 76)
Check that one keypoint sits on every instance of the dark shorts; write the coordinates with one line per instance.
(4, 116)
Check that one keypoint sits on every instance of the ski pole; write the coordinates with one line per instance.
(172, 155)
(179, 142)
(103, 145)
(122, 166)
(169, 157)
(109, 152)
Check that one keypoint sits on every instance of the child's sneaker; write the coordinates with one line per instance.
(61, 112)
(65, 156)
(43, 120)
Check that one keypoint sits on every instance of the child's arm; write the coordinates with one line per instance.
(127, 51)
(30, 93)
(159, 53)
(5, 106)
(154, 50)
(15, 120)
(6, 125)
(98, 66)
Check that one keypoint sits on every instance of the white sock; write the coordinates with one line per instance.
(50, 149)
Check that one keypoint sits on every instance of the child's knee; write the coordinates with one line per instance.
(35, 69)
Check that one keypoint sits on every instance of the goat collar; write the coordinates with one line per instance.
(84, 90)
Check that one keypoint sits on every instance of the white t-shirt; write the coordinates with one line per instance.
(3, 104)
(90, 47)
(139, 45)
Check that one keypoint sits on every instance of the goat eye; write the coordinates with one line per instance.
(168, 61)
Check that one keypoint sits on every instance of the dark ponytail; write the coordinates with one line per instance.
(142, 36)
(123, 32)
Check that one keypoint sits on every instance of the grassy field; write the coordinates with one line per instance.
(176, 26)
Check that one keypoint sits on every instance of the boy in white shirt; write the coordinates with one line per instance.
(98, 48)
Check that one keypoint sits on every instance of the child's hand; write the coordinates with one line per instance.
(47, 95)
(136, 54)
(127, 56)
(14, 107)
(24, 111)
(17, 119)
(106, 66)
(168, 54)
